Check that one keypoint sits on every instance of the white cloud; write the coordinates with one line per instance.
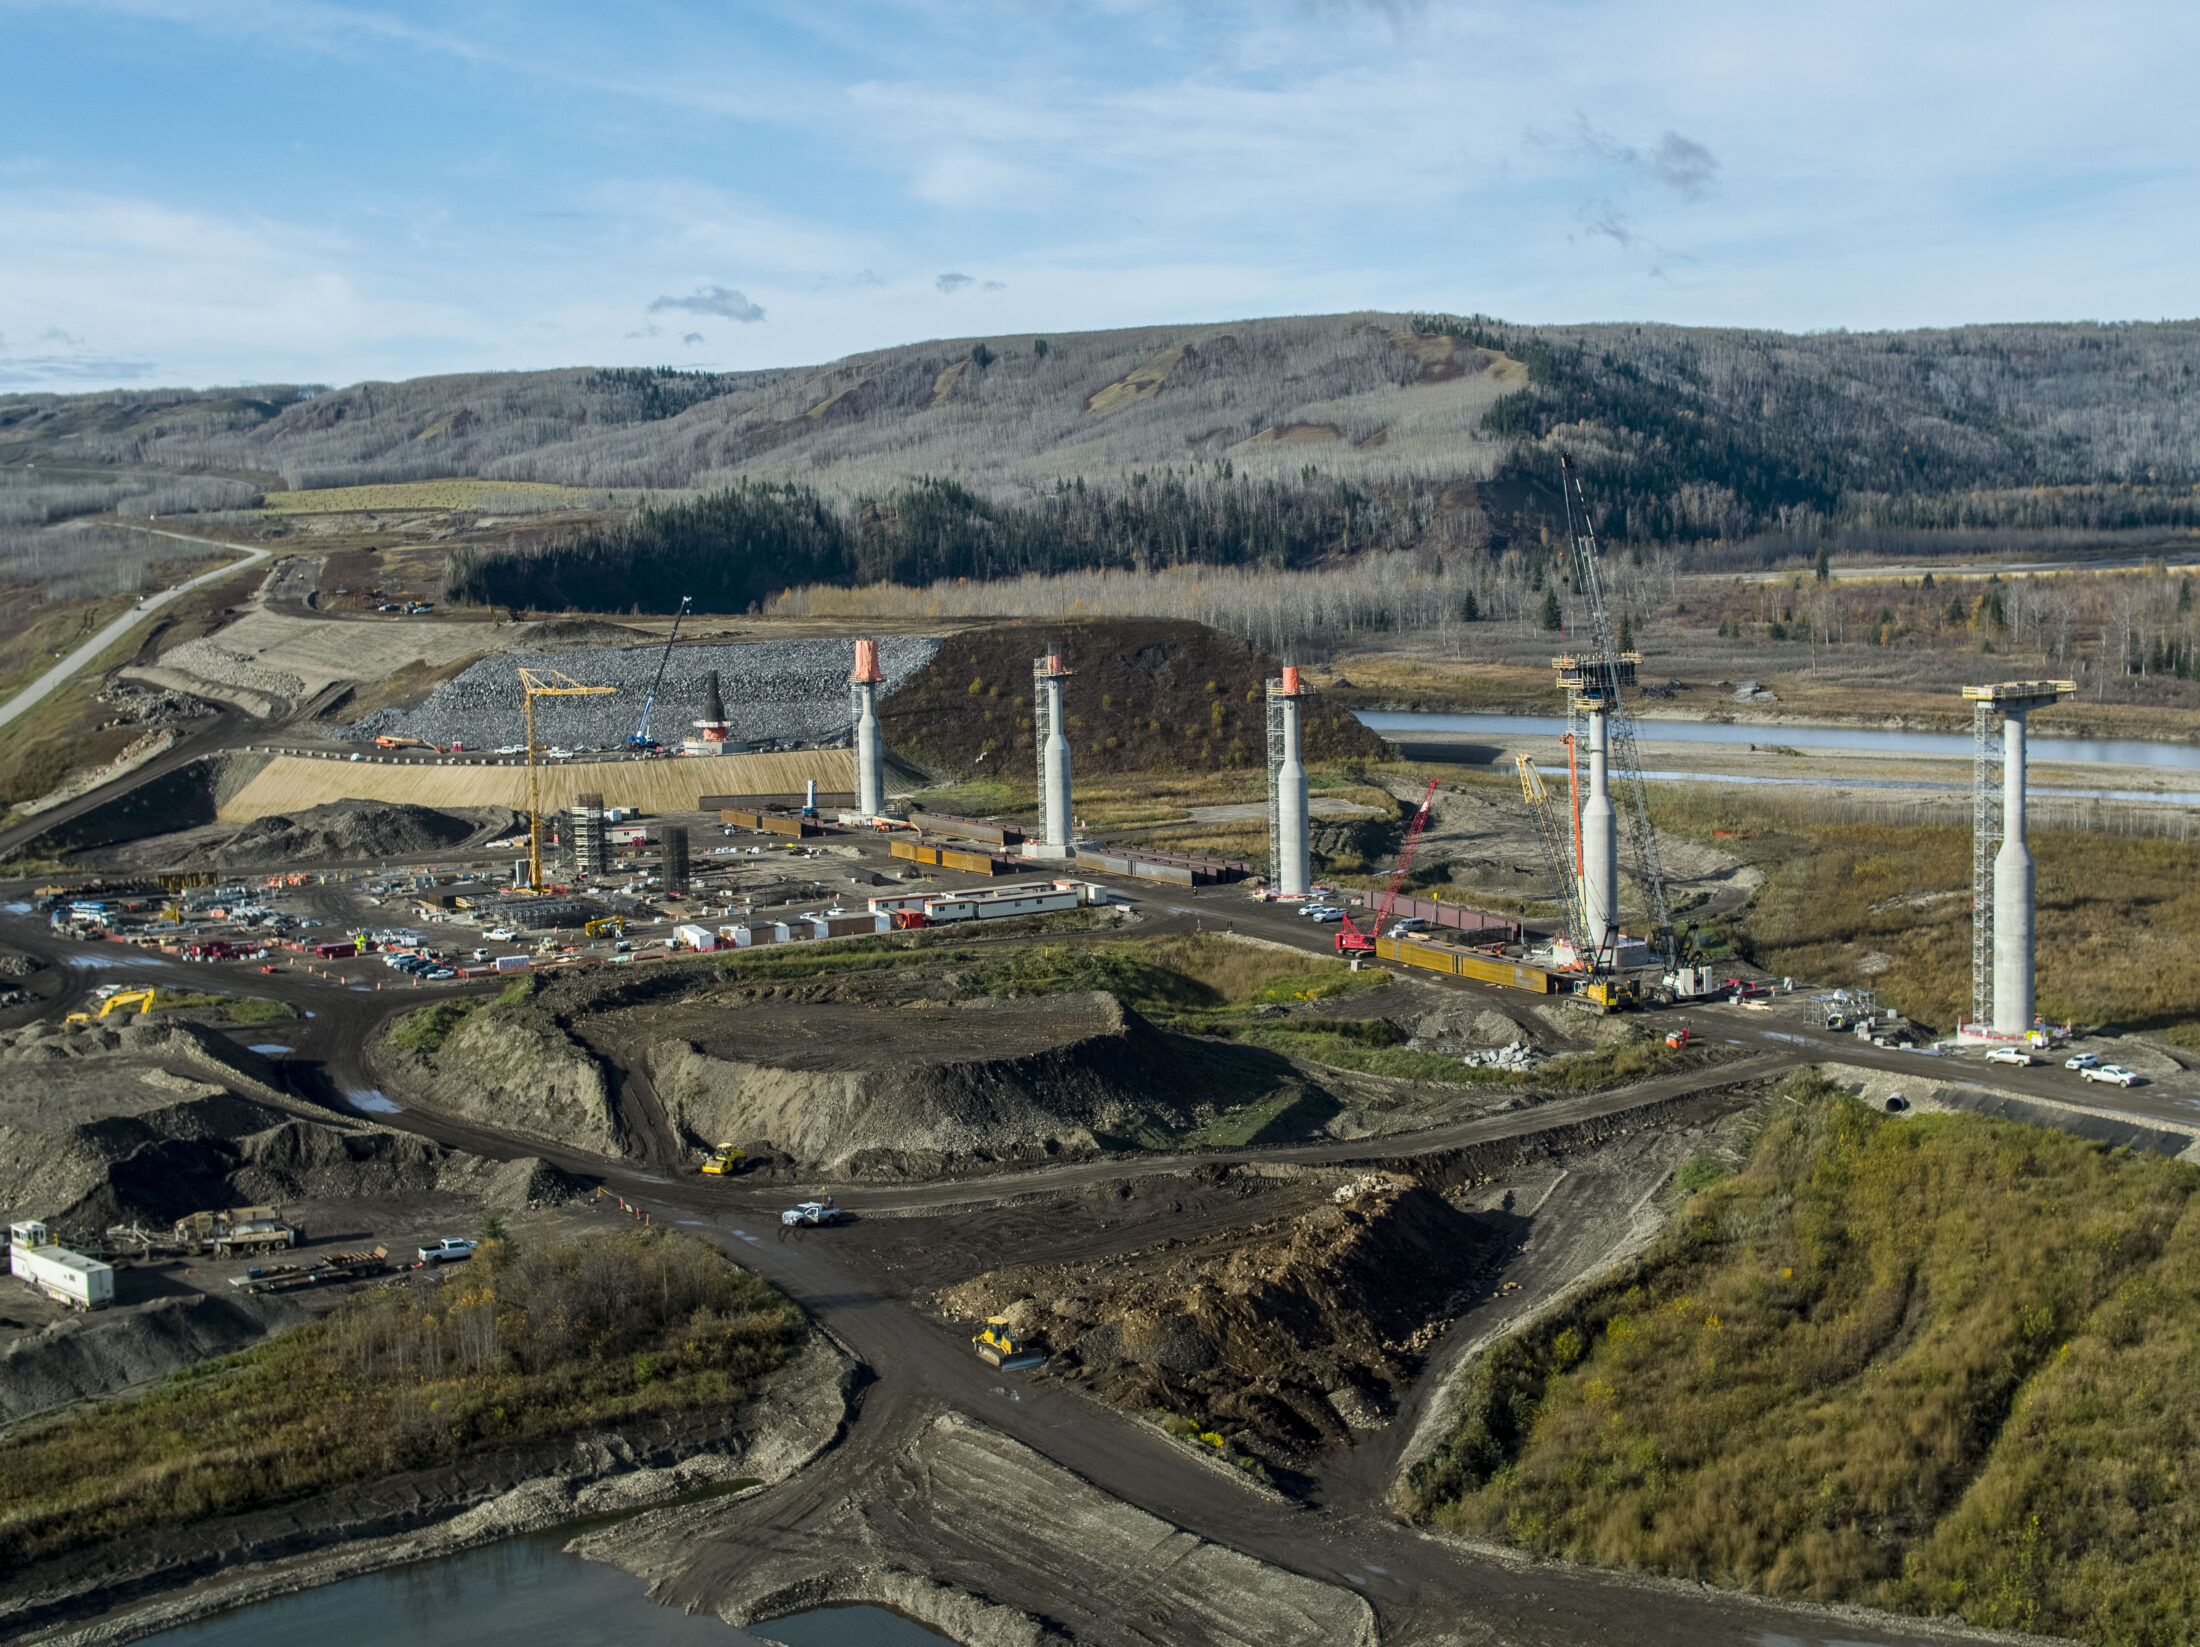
(713, 300)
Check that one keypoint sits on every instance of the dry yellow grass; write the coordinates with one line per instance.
(292, 783)
(418, 494)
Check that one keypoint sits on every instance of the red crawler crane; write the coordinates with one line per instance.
(1351, 940)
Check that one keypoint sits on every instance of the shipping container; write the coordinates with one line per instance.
(67, 1277)
(699, 938)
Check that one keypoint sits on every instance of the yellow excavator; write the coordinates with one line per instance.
(613, 924)
(142, 999)
(1000, 1347)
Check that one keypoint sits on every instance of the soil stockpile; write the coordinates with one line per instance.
(790, 690)
(1290, 1332)
(1148, 694)
(146, 1124)
(509, 1065)
(346, 831)
(122, 1348)
(858, 1090)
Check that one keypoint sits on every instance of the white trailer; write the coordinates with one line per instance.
(67, 1277)
(688, 935)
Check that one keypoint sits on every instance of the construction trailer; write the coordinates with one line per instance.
(341, 1266)
(70, 1278)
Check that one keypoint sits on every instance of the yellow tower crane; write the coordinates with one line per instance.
(544, 683)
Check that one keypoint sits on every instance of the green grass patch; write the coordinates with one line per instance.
(519, 1344)
(1944, 1364)
(1887, 907)
(427, 1029)
(258, 1009)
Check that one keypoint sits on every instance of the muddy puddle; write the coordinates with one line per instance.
(525, 1593)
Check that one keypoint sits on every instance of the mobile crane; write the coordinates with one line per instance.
(641, 740)
(1350, 939)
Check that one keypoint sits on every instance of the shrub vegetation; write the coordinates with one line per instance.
(517, 1344)
(1944, 1364)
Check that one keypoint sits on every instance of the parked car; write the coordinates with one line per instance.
(2082, 1060)
(1322, 917)
(452, 1249)
(2011, 1055)
(2114, 1074)
(808, 1214)
(1412, 923)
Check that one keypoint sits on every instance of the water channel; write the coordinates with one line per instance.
(2166, 757)
(526, 1592)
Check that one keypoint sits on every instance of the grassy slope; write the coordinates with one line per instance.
(1945, 1364)
(2118, 916)
(512, 1346)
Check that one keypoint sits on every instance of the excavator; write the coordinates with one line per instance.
(142, 999)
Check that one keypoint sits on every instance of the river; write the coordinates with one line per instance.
(2167, 757)
(525, 1592)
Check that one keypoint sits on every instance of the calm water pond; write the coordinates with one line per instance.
(523, 1593)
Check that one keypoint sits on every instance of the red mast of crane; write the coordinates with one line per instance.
(1351, 940)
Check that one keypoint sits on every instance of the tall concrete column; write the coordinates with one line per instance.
(1057, 770)
(1295, 873)
(2013, 887)
(870, 769)
(1599, 839)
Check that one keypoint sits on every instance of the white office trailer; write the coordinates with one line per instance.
(67, 1277)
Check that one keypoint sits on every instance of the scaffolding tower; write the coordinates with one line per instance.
(1276, 696)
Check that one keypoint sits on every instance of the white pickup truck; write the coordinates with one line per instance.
(450, 1250)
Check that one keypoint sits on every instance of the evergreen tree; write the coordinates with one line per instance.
(1553, 614)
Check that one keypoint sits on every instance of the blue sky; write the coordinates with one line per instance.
(229, 191)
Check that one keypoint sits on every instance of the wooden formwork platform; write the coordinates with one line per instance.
(293, 783)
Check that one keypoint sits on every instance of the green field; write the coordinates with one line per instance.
(515, 495)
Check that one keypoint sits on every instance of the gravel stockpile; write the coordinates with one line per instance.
(792, 690)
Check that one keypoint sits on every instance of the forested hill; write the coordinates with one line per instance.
(1449, 425)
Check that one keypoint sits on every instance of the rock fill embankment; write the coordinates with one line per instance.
(985, 1081)
(791, 690)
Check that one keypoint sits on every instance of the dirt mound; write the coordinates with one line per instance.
(75, 1357)
(585, 632)
(145, 1125)
(511, 1066)
(1291, 1332)
(1148, 694)
(349, 830)
(862, 1091)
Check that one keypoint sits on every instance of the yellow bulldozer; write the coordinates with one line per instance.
(142, 999)
(999, 1346)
